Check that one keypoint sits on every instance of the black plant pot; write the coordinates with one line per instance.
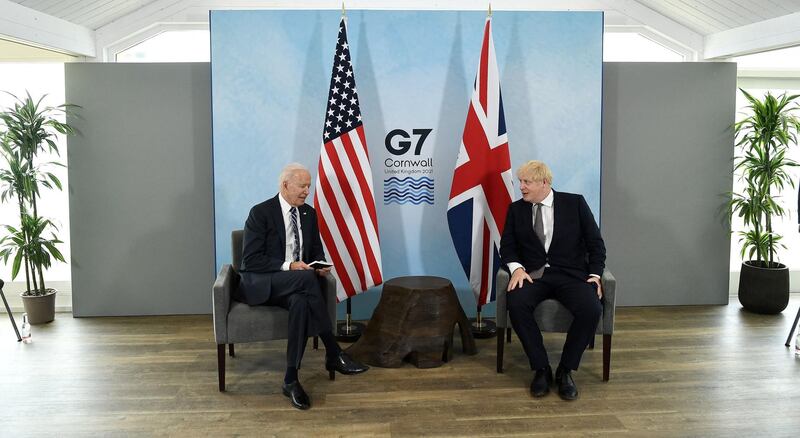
(764, 290)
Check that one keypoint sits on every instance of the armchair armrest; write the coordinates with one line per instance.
(609, 301)
(501, 284)
(221, 292)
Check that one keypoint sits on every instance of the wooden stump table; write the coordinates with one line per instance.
(414, 321)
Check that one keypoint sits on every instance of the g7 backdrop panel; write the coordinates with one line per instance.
(414, 71)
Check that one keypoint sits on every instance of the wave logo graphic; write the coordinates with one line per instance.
(408, 190)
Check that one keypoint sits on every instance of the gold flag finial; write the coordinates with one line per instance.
(343, 14)
(489, 14)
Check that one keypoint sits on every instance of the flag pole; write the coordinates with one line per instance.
(349, 331)
(482, 328)
(348, 108)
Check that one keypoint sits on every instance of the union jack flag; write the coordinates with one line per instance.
(482, 181)
(344, 197)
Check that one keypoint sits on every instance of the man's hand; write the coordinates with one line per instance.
(299, 266)
(517, 278)
(323, 272)
(596, 281)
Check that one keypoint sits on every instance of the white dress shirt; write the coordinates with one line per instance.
(286, 209)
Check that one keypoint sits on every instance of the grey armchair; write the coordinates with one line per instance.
(551, 316)
(236, 323)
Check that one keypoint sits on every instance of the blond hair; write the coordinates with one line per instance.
(535, 170)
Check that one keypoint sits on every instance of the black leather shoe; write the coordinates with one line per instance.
(344, 364)
(542, 381)
(567, 389)
(297, 395)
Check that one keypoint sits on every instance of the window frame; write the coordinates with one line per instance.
(112, 51)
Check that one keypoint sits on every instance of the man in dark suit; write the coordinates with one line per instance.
(280, 239)
(552, 246)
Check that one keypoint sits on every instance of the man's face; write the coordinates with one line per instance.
(295, 189)
(533, 191)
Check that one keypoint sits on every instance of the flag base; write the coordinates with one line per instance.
(483, 329)
(351, 333)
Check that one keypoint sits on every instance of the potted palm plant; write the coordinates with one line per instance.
(763, 138)
(27, 129)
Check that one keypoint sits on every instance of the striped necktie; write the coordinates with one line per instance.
(295, 235)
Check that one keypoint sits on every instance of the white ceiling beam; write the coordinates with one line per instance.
(141, 20)
(661, 24)
(35, 28)
(765, 35)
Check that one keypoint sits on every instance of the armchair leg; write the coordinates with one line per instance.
(316, 342)
(606, 357)
(221, 366)
(500, 346)
(508, 335)
(230, 350)
(591, 343)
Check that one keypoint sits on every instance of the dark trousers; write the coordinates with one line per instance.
(576, 295)
(299, 292)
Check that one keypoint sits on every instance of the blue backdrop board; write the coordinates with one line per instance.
(415, 71)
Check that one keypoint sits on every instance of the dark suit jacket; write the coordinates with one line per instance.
(576, 247)
(264, 247)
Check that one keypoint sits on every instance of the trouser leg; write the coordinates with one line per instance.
(521, 304)
(580, 298)
(300, 293)
(298, 329)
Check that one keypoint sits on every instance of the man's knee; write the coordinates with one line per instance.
(590, 310)
(525, 297)
(515, 300)
(308, 275)
(307, 279)
(310, 285)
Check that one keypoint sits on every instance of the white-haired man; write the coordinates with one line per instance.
(281, 237)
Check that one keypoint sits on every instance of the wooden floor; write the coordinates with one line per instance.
(676, 371)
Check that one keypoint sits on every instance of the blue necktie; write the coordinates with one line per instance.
(296, 235)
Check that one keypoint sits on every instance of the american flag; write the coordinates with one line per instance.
(482, 181)
(344, 197)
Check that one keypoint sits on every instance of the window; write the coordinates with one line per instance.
(635, 47)
(170, 46)
(775, 60)
(776, 71)
(39, 79)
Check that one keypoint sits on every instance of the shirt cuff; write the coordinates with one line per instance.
(285, 266)
(595, 276)
(513, 266)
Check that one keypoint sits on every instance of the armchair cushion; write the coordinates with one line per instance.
(256, 323)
